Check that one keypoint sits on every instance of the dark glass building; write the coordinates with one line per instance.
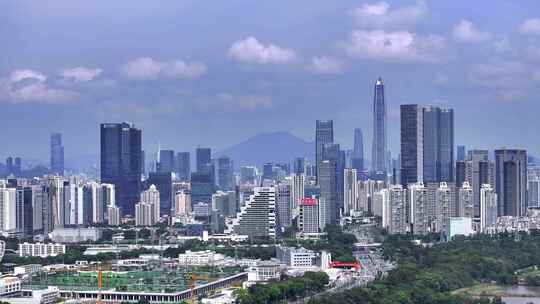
(163, 183)
(202, 188)
(511, 182)
(57, 154)
(183, 166)
(324, 134)
(379, 150)
(166, 161)
(438, 131)
(358, 151)
(461, 153)
(299, 165)
(203, 158)
(412, 148)
(225, 173)
(24, 211)
(120, 163)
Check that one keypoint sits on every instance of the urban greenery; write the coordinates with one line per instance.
(429, 274)
(285, 290)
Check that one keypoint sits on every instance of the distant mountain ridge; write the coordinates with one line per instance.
(269, 147)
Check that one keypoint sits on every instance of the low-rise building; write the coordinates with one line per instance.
(75, 235)
(41, 249)
(27, 269)
(206, 257)
(9, 285)
(264, 271)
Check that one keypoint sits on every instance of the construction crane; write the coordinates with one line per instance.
(99, 285)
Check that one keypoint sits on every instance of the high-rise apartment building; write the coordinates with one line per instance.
(308, 218)
(379, 148)
(419, 208)
(488, 207)
(257, 219)
(465, 201)
(57, 154)
(151, 196)
(398, 213)
(120, 163)
(350, 191)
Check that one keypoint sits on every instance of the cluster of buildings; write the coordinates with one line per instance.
(422, 190)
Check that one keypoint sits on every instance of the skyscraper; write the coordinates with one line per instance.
(328, 198)
(350, 191)
(57, 154)
(166, 161)
(488, 207)
(378, 155)
(324, 134)
(203, 158)
(460, 153)
(511, 181)
(183, 166)
(438, 132)
(225, 173)
(427, 144)
(412, 144)
(358, 151)
(120, 163)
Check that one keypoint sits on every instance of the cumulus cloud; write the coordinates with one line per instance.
(530, 26)
(250, 50)
(80, 74)
(29, 86)
(381, 16)
(466, 31)
(326, 65)
(145, 68)
(398, 46)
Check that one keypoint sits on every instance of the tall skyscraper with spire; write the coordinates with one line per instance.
(378, 156)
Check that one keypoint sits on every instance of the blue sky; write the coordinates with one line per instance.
(217, 72)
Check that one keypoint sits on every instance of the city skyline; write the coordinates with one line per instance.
(187, 82)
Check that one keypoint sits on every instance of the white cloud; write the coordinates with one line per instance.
(80, 74)
(326, 65)
(250, 50)
(530, 26)
(399, 46)
(381, 16)
(466, 31)
(147, 68)
(29, 86)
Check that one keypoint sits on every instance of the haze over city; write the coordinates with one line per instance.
(249, 152)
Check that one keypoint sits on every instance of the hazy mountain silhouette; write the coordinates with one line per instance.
(269, 147)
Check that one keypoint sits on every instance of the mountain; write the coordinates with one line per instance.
(269, 147)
